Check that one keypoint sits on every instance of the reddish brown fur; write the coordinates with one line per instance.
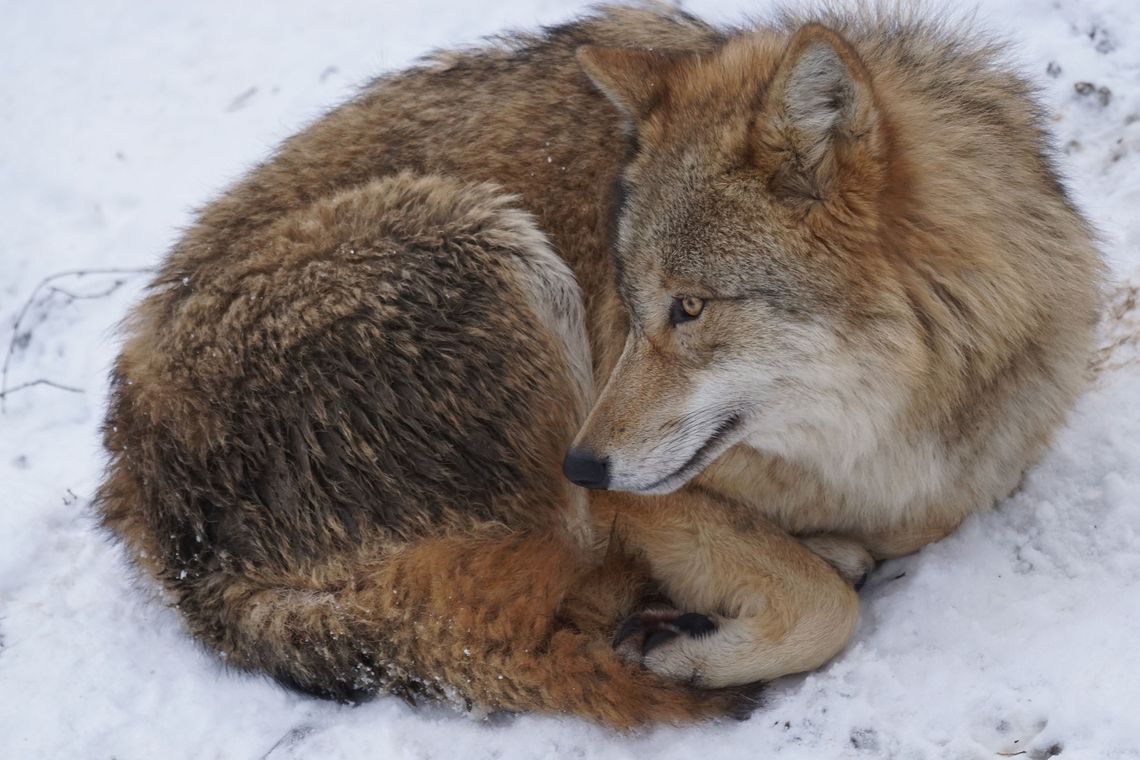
(897, 299)
(337, 421)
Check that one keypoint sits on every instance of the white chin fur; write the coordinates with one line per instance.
(658, 479)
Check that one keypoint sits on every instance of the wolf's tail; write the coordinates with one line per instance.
(512, 623)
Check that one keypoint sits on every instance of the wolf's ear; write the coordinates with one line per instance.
(633, 79)
(821, 110)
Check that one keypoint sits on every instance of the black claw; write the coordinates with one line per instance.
(656, 639)
(695, 624)
(632, 625)
(658, 628)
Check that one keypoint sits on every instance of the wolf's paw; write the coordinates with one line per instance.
(848, 557)
(655, 638)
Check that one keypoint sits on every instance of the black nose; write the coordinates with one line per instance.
(583, 467)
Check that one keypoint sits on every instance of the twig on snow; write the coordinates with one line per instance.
(13, 340)
(41, 381)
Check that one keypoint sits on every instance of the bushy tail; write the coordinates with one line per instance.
(510, 623)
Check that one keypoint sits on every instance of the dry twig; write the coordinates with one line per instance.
(14, 339)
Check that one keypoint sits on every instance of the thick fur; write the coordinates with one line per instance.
(899, 300)
(338, 419)
(336, 424)
(338, 447)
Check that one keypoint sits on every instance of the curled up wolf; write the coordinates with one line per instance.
(787, 299)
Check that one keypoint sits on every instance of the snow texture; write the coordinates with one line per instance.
(1017, 636)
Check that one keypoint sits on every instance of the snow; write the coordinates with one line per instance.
(1018, 634)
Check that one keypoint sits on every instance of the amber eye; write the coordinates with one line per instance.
(686, 309)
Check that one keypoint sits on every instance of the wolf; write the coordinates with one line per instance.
(860, 301)
(823, 268)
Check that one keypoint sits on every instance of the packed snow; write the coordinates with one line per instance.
(1017, 636)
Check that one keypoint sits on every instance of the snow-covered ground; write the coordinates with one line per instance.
(1019, 635)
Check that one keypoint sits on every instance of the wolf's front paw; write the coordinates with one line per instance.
(656, 639)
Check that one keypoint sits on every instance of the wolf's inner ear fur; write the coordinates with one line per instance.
(819, 107)
(633, 79)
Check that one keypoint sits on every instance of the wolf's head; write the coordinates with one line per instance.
(762, 310)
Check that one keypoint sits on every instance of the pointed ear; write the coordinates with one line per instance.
(634, 80)
(820, 107)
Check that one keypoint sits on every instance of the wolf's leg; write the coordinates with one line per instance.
(848, 556)
(752, 603)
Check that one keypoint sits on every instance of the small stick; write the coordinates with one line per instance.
(41, 381)
(4, 389)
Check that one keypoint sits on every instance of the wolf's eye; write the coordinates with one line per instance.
(686, 309)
